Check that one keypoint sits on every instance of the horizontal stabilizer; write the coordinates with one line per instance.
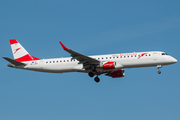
(14, 62)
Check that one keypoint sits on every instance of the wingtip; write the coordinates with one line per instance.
(65, 48)
(3, 57)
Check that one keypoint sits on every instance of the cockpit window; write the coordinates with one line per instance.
(164, 54)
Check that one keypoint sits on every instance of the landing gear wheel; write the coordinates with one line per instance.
(96, 79)
(159, 72)
(91, 74)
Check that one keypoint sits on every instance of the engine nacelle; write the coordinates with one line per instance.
(110, 65)
(116, 74)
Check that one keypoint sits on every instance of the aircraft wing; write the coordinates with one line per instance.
(85, 60)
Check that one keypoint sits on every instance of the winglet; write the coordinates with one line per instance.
(65, 48)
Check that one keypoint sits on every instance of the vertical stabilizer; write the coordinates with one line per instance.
(19, 53)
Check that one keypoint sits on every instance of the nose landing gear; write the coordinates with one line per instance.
(159, 66)
(159, 72)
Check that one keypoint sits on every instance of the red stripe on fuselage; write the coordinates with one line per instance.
(27, 58)
(13, 41)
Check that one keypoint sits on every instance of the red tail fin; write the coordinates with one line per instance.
(19, 53)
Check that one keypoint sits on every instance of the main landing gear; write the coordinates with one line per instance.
(96, 79)
(91, 73)
(159, 66)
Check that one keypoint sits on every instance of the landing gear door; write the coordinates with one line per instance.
(155, 56)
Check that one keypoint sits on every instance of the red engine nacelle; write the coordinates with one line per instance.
(109, 65)
(116, 74)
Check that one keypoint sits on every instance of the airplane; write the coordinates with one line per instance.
(112, 65)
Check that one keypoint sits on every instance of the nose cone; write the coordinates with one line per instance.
(173, 60)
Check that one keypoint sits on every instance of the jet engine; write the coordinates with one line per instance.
(116, 74)
(110, 65)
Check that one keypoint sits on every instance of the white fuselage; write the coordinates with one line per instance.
(125, 60)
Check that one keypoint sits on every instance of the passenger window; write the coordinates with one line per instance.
(46, 62)
(124, 56)
(109, 57)
(149, 54)
(53, 61)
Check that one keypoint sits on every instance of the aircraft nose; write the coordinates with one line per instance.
(173, 60)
